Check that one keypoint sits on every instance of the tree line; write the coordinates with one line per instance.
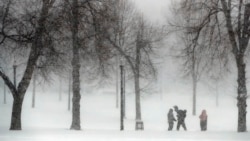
(52, 36)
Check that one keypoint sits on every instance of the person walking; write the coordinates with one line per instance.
(171, 119)
(203, 120)
(181, 115)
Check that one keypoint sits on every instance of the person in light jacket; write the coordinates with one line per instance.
(171, 120)
(203, 120)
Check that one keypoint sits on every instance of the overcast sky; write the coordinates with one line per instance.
(154, 9)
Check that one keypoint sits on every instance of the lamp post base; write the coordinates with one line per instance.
(139, 125)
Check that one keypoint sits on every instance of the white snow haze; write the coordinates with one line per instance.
(50, 120)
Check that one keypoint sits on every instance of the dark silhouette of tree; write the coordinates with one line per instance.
(29, 33)
(220, 28)
(134, 40)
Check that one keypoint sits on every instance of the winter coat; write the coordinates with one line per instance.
(171, 116)
(203, 116)
(181, 115)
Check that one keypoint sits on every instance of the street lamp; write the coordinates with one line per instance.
(122, 99)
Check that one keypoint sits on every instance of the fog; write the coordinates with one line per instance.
(51, 118)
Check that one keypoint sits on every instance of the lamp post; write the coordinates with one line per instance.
(124, 95)
(122, 100)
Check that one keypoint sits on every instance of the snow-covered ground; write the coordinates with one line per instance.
(50, 120)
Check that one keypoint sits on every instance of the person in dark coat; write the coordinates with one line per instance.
(181, 115)
(171, 120)
(203, 120)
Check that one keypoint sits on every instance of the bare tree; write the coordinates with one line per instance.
(76, 66)
(134, 39)
(222, 26)
(9, 33)
(83, 17)
(193, 64)
(73, 13)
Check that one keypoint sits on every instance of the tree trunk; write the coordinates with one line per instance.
(217, 94)
(60, 89)
(16, 114)
(194, 92)
(194, 95)
(76, 97)
(117, 83)
(4, 92)
(76, 69)
(69, 93)
(242, 93)
(34, 91)
(194, 77)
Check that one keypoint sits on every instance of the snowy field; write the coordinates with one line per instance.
(50, 120)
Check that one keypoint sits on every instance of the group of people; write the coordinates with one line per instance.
(181, 115)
